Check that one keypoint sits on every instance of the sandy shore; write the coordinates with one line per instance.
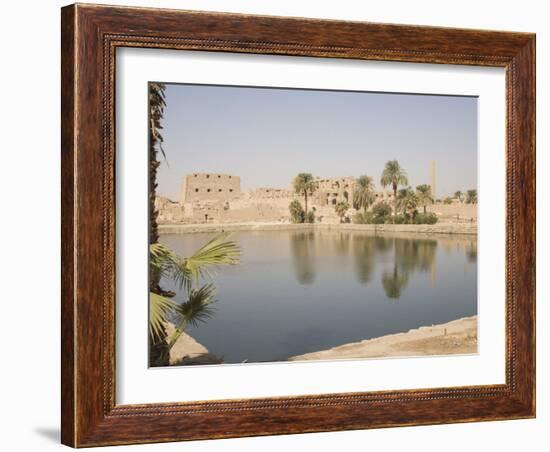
(456, 337)
(187, 351)
(438, 228)
(184, 346)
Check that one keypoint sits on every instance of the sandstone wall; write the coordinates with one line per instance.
(168, 210)
(455, 212)
(210, 187)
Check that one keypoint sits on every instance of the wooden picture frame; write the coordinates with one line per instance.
(90, 36)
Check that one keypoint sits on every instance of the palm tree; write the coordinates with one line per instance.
(186, 272)
(471, 197)
(394, 176)
(341, 208)
(459, 195)
(424, 193)
(401, 195)
(408, 201)
(363, 193)
(157, 103)
(305, 185)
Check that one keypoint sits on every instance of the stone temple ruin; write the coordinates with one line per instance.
(208, 198)
(206, 187)
(218, 198)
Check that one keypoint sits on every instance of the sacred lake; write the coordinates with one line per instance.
(298, 292)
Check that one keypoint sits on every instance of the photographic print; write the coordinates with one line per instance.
(301, 224)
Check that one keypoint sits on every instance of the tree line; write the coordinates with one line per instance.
(406, 200)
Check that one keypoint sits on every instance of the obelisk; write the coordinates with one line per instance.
(432, 178)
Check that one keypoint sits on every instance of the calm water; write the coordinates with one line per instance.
(299, 292)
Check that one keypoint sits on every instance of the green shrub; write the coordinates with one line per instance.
(427, 218)
(309, 217)
(363, 218)
(399, 219)
(297, 214)
(382, 209)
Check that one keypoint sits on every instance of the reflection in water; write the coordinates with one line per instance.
(471, 252)
(303, 253)
(417, 254)
(382, 243)
(394, 282)
(364, 248)
(407, 255)
(341, 244)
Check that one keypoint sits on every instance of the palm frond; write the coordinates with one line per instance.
(217, 251)
(162, 259)
(196, 309)
(363, 193)
(157, 103)
(393, 174)
(304, 182)
(185, 271)
(159, 309)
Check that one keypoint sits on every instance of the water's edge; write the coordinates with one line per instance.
(443, 228)
(455, 337)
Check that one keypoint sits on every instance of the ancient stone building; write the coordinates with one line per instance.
(210, 187)
(331, 191)
(168, 211)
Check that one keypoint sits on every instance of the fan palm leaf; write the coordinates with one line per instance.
(162, 259)
(195, 310)
(159, 309)
(218, 251)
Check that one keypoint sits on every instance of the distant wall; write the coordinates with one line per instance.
(456, 211)
(168, 210)
(270, 193)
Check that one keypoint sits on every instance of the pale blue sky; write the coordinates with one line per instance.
(266, 136)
